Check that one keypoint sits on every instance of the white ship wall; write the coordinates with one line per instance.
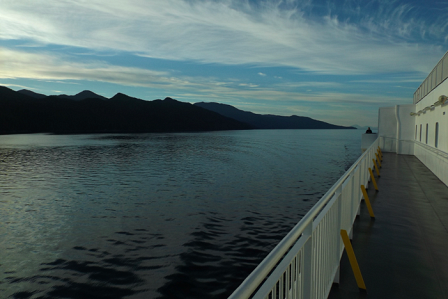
(395, 129)
(402, 133)
(435, 115)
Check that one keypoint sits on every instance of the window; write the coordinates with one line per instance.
(420, 133)
(426, 137)
(436, 142)
(415, 132)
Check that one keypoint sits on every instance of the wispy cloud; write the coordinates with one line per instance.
(19, 64)
(271, 33)
(248, 85)
(308, 84)
(47, 67)
(15, 85)
(395, 43)
(390, 80)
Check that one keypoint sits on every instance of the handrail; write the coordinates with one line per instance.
(259, 274)
(438, 74)
(431, 149)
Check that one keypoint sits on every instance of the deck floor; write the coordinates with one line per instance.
(403, 252)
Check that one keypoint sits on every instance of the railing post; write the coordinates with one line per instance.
(361, 169)
(366, 177)
(338, 242)
(351, 200)
(307, 261)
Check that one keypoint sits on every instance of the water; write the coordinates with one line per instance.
(155, 215)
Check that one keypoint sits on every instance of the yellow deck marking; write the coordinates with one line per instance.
(366, 199)
(373, 179)
(376, 168)
(378, 159)
(352, 259)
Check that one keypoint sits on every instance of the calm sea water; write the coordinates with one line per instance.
(155, 215)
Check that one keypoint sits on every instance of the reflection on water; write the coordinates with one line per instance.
(155, 215)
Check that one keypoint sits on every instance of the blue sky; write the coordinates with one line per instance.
(336, 61)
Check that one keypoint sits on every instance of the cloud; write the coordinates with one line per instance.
(248, 85)
(270, 33)
(16, 85)
(19, 64)
(318, 84)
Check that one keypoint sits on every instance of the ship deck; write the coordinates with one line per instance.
(403, 252)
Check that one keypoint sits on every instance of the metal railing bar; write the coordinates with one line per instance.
(258, 275)
(282, 267)
(427, 85)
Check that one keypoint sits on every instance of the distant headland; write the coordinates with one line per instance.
(268, 121)
(25, 111)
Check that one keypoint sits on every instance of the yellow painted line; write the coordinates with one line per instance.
(352, 259)
(373, 179)
(380, 155)
(378, 159)
(376, 168)
(366, 199)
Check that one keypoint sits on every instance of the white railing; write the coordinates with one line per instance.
(433, 158)
(394, 145)
(306, 262)
(437, 76)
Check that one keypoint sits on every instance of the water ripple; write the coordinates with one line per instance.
(155, 215)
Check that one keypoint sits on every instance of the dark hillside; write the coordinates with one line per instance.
(31, 94)
(20, 113)
(86, 94)
(267, 121)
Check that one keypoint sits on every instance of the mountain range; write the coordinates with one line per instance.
(268, 121)
(25, 111)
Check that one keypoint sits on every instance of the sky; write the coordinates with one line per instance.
(335, 61)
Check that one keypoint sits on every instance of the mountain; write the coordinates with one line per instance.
(17, 98)
(86, 94)
(25, 111)
(267, 121)
(20, 113)
(32, 94)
